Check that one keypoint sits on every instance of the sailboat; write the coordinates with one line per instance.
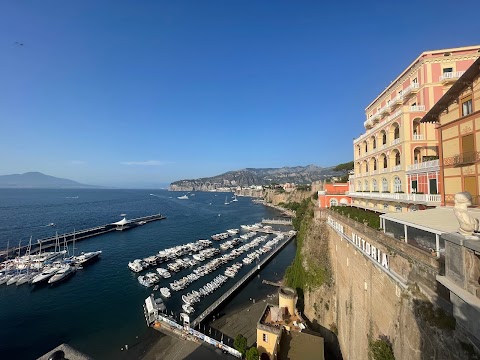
(235, 197)
(226, 200)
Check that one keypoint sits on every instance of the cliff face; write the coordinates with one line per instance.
(276, 197)
(361, 303)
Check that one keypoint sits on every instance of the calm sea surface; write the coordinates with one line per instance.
(99, 309)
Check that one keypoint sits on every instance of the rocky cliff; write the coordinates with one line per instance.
(256, 177)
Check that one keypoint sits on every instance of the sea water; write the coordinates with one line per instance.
(99, 309)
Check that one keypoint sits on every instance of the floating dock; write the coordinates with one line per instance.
(204, 315)
(49, 242)
(277, 221)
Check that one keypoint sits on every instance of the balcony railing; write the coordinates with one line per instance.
(410, 89)
(381, 147)
(385, 110)
(395, 142)
(416, 108)
(395, 114)
(418, 137)
(424, 165)
(396, 168)
(384, 170)
(469, 157)
(423, 198)
(450, 76)
(374, 172)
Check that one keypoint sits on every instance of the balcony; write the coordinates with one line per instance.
(433, 199)
(384, 111)
(465, 158)
(395, 114)
(395, 142)
(410, 90)
(417, 137)
(417, 108)
(450, 77)
(426, 165)
(381, 147)
(368, 124)
(373, 172)
(384, 170)
(397, 168)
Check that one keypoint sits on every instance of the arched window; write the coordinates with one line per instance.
(366, 167)
(359, 185)
(374, 185)
(384, 185)
(413, 208)
(397, 158)
(374, 164)
(398, 208)
(365, 185)
(396, 133)
(385, 206)
(397, 184)
(374, 143)
(385, 162)
(384, 138)
(366, 147)
(333, 202)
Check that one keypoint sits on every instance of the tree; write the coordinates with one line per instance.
(240, 344)
(345, 168)
(252, 353)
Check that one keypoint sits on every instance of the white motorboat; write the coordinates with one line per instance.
(165, 292)
(62, 274)
(45, 275)
(187, 308)
(135, 265)
(83, 258)
(184, 197)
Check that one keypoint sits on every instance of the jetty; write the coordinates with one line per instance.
(273, 283)
(204, 315)
(66, 238)
(277, 221)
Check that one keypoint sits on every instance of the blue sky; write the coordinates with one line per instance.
(136, 93)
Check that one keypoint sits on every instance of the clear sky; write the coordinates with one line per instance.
(135, 93)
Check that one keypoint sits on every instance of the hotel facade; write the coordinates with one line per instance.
(396, 160)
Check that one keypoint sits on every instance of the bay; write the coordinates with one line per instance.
(99, 309)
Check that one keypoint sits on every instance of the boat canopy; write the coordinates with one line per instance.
(124, 221)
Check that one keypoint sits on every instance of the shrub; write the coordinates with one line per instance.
(362, 216)
(240, 344)
(252, 353)
(381, 349)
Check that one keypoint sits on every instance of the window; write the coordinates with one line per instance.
(467, 106)
(366, 167)
(385, 206)
(414, 186)
(359, 186)
(374, 164)
(414, 104)
(384, 185)
(384, 138)
(396, 133)
(265, 338)
(413, 208)
(415, 81)
(365, 185)
(374, 185)
(447, 70)
(374, 143)
(398, 208)
(397, 159)
(333, 202)
(397, 184)
(468, 149)
(433, 186)
(388, 102)
(385, 164)
(366, 147)
(359, 151)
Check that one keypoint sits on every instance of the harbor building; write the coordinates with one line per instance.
(335, 194)
(281, 333)
(396, 160)
(457, 117)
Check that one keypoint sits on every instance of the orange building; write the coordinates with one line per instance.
(457, 116)
(333, 195)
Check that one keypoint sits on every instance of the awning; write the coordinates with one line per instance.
(121, 222)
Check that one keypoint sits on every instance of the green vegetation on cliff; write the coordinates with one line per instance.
(363, 216)
(310, 268)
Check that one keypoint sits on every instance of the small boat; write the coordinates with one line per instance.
(62, 274)
(165, 292)
(235, 197)
(83, 258)
(155, 288)
(226, 200)
(184, 197)
(51, 224)
(187, 308)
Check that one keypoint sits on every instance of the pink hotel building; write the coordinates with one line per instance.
(396, 159)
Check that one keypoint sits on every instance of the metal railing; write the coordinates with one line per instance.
(424, 165)
(468, 157)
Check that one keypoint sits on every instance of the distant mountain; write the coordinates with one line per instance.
(39, 180)
(263, 176)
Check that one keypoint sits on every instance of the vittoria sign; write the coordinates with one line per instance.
(373, 252)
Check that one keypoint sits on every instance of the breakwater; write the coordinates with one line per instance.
(65, 239)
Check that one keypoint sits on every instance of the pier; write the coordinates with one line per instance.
(273, 283)
(66, 238)
(277, 221)
(241, 282)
